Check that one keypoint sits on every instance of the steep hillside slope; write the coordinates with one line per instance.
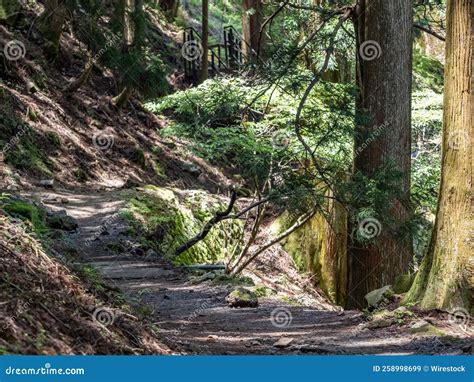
(79, 139)
(45, 309)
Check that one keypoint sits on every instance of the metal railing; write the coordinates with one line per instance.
(222, 57)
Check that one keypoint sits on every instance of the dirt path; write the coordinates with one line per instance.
(194, 318)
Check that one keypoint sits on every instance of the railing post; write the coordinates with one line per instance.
(226, 47)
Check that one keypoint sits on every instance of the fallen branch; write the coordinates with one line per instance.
(219, 216)
(206, 267)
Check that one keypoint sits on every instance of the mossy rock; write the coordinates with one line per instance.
(308, 247)
(377, 296)
(380, 323)
(263, 291)
(422, 327)
(62, 222)
(242, 298)
(402, 313)
(403, 283)
(169, 217)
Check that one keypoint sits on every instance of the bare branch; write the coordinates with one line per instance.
(429, 31)
(219, 216)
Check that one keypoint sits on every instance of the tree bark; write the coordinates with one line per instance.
(170, 8)
(205, 42)
(252, 20)
(445, 278)
(133, 30)
(384, 81)
(51, 24)
(320, 248)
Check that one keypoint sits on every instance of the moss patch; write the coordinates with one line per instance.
(165, 218)
(26, 212)
(311, 247)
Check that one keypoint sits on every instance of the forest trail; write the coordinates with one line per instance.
(193, 318)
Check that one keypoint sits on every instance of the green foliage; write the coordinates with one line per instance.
(137, 155)
(137, 64)
(212, 104)
(53, 138)
(251, 130)
(92, 277)
(428, 73)
(427, 120)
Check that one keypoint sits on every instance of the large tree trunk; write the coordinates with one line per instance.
(385, 97)
(138, 24)
(445, 278)
(252, 19)
(205, 41)
(51, 24)
(132, 38)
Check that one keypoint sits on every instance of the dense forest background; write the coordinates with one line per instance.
(310, 153)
